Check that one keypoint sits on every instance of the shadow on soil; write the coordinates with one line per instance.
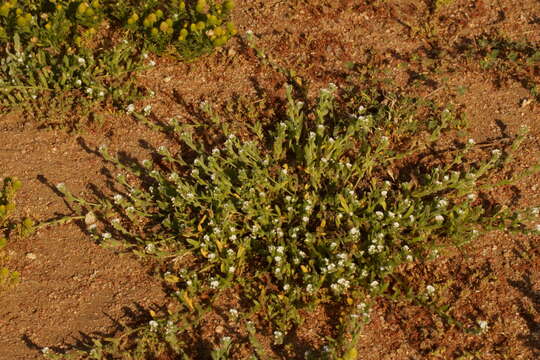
(529, 308)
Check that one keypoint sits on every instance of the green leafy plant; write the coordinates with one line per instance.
(318, 207)
(62, 53)
(186, 28)
(10, 186)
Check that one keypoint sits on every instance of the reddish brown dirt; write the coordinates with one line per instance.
(74, 287)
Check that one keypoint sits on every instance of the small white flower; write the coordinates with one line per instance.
(81, 61)
(152, 63)
(89, 91)
(411, 218)
(471, 141)
(106, 235)
(430, 289)
(379, 214)
(233, 312)
(78, 82)
(212, 256)
(483, 325)
(353, 231)
(147, 109)
(442, 203)
(439, 218)
(45, 350)
(153, 324)
(496, 152)
(310, 288)
(305, 219)
(286, 287)
(278, 334)
(409, 258)
(214, 284)
(130, 108)
(395, 224)
(384, 193)
(249, 33)
(150, 248)
(232, 269)
(277, 259)
(280, 249)
(331, 267)
(374, 284)
(471, 197)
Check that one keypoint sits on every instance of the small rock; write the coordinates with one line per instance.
(90, 218)
(525, 102)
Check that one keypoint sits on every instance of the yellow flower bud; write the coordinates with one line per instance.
(231, 28)
(201, 6)
(81, 9)
(164, 26)
(201, 25)
(228, 5)
(155, 32)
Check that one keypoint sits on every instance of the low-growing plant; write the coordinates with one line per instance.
(508, 59)
(191, 28)
(63, 57)
(326, 205)
(9, 188)
(35, 80)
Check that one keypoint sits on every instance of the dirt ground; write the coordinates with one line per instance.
(72, 288)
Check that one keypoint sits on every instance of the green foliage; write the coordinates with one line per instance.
(191, 28)
(62, 53)
(39, 80)
(509, 59)
(10, 186)
(318, 208)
